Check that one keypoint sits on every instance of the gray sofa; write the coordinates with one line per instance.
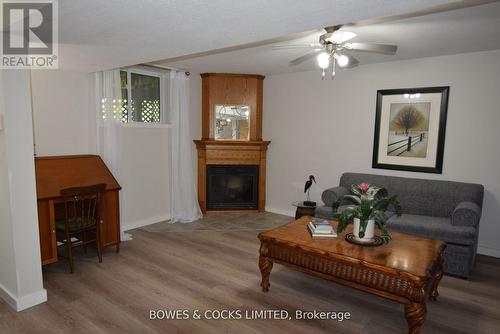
(444, 210)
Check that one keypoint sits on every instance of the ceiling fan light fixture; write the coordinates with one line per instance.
(328, 51)
(323, 60)
(342, 60)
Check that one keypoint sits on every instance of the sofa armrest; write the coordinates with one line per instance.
(332, 195)
(466, 214)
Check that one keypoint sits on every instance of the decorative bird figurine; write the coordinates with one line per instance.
(307, 186)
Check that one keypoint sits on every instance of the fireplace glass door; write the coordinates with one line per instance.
(232, 187)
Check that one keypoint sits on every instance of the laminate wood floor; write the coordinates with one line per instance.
(212, 265)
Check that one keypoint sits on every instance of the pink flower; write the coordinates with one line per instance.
(363, 186)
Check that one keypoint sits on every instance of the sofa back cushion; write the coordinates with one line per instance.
(419, 196)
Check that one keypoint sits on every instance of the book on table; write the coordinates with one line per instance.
(321, 229)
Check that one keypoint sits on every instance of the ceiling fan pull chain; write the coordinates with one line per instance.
(334, 63)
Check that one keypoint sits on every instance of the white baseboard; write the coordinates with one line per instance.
(144, 222)
(24, 302)
(32, 300)
(495, 252)
(7, 296)
(289, 213)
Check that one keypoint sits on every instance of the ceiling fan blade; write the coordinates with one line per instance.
(303, 58)
(297, 46)
(341, 36)
(372, 47)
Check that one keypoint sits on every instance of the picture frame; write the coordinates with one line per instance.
(410, 129)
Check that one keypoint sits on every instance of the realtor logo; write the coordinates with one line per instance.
(29, 34)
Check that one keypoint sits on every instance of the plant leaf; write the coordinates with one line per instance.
(362, 227)
(345, 218)
(385, 236)
(353, 198)
(355, 189)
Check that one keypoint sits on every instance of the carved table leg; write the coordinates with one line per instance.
(265, 266)
(437, 278)
(415, 316)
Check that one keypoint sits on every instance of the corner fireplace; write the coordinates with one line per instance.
(231, 187)
(231, 171)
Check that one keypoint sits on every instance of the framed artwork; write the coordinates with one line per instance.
(410, 127)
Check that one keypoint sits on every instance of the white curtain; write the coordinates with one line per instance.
(184, 201)
(109, 111)
(108, 92)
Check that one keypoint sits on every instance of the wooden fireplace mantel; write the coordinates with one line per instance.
(231, 89)
(221, 152)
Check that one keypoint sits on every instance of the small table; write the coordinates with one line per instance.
(407, 270)
(303, 210)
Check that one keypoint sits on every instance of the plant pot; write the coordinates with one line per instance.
(369, 231)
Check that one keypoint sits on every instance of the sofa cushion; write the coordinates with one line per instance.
(433, 228)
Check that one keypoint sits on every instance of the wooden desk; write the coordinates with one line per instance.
(56, 173)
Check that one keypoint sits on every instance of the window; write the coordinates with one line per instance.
(142, 98)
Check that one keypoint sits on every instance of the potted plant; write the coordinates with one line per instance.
(368, 211)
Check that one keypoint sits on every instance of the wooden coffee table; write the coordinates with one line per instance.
(407, 270)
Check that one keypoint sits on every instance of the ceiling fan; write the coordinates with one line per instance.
(333, 49)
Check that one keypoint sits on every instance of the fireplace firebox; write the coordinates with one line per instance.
(232, 187)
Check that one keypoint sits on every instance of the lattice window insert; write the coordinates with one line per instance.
(121, 109)
(150, 111)
(140, 99)
(117, 109)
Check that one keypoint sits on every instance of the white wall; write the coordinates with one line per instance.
(61, 104)
(8, 284)
(144, 170)
(21, 283)
(326, 128)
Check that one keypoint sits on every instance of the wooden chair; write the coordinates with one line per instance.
(82, 217)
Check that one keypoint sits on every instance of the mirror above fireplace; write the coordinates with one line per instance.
(232, 122)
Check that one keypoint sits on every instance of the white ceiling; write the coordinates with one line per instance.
(97, 34)
(458, 31)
